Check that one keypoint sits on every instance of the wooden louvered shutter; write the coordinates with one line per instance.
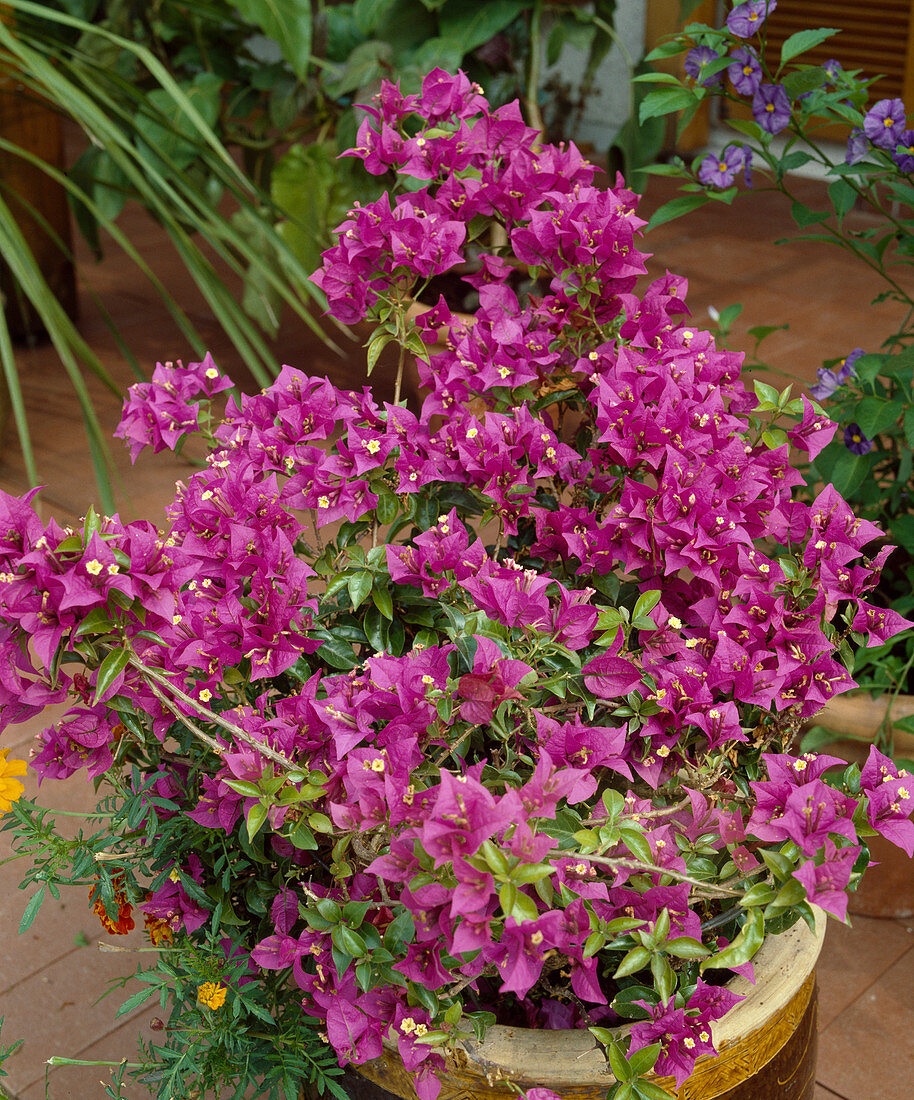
(877, 37)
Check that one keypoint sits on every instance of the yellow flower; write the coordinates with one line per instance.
(212, 995)
(10, 788)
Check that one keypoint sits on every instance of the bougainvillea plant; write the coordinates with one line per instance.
(418, 718)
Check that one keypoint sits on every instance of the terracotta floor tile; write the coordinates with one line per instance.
(85, 1082)
(53, 1013)
(821, 1093)
(854, 958)
(867, 1052)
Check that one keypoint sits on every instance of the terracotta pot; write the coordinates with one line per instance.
(859, 715)
(887, 889)
(766, 1043)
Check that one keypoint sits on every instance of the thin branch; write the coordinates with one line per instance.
(218, 719)
(708, 889)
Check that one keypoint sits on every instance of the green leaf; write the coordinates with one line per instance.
(96, 621)
(743, 947)
(349, 941)
(875, 415)
(529, 873)
(169, 135)
(760, 894)
(675, 208)
(383, 601)
(646, 603)
(791, 893)
(288, 23)
(376, 345)
(469, 24)
(31, 910)
(685, 947)
(764, 392)
(320, 823)
(842, 196)
(335, 651)
(136, 1000)
(637, 843)
(648, 1090)
(109, 670)
(618, 1062)
(665, 101)
(644, 1060)
(257, 815)
(803, 80)
(805, 40)
(359, 585)
(803, 216)
(243, 787)
(388, 507)
(849, 470)
(633, 961)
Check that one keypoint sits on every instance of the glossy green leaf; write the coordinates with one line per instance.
(743, 947)
(805, 40)
(685, 947)
(109, 671)
(257, 815)
(633, 961)
(359, 585)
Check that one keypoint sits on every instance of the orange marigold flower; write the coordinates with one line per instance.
(158, 930)
(10, 787)
(124, 922)
(212, 995)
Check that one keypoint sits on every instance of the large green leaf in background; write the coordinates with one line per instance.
(288, 23)
(471, 24)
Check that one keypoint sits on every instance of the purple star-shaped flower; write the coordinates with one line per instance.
(697, 60)
(771, 107)
(745, 71)
(746, 19)
(856, 441)
(721, 170)
(884, 123)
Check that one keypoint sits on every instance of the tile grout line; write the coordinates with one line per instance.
(35, 973)
(831, 1092)
(907, 951)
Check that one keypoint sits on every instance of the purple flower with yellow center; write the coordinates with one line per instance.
(855, 441)
(697, 60)
(720, 170)
(746, 19)
(884, 123)
(904, 154)
(745, 71)
(771, 107)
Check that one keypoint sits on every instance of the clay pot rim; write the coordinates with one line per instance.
(860, 714)
(782, 964)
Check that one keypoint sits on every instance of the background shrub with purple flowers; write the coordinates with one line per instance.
(870, 396)
(416, 718)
